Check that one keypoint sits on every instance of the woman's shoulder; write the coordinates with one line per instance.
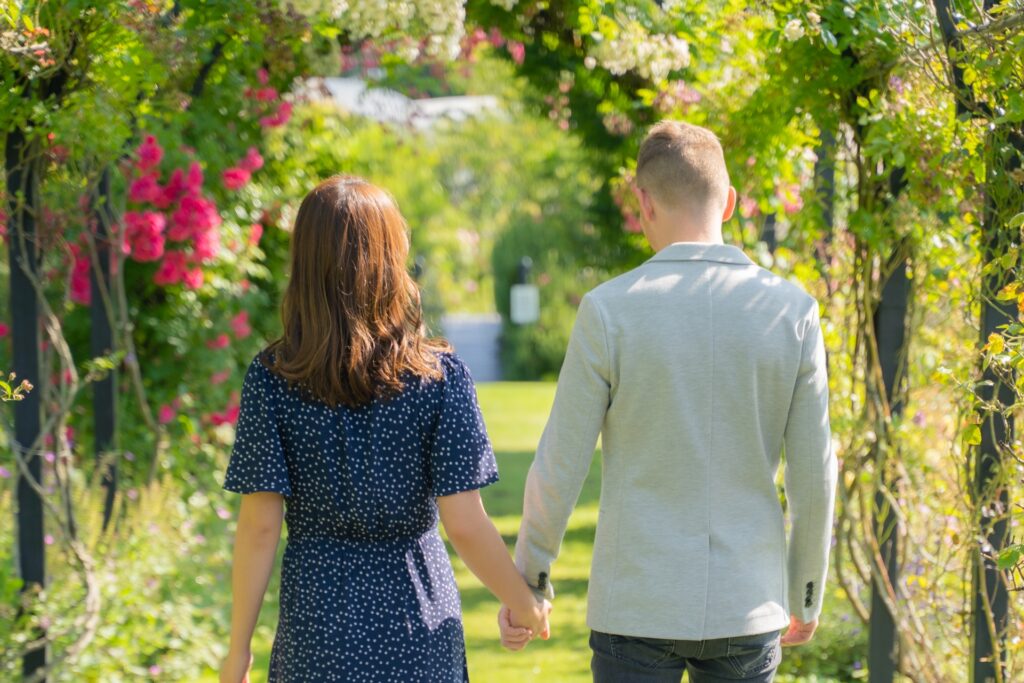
(452, 366)
(261, 368)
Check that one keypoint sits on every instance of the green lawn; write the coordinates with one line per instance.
(515, 414)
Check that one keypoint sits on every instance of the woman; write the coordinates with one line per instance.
(370, 432)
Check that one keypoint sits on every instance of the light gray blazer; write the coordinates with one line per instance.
(697, 368)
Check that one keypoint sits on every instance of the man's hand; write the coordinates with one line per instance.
(515, 637)
(236, 666)
(799, 632)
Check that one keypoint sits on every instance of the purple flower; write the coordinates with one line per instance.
(4, 472)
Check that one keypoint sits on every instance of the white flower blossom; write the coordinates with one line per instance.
(794, 30)
(653, 56)
(441, 22)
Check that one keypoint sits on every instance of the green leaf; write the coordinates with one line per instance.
(830, 41)
(1009, 557)
(972, 435)
(1016, 222)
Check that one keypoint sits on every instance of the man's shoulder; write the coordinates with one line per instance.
(611, 288)
(786, 289)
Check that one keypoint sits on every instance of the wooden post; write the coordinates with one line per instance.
(23, 195)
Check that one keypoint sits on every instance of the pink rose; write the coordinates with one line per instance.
(173, 190)
(194, 215)
(255, 233)
(265, 94)
(194, 278)
(80, 285)
(145, 189)
(281, 117)
(207, 245)
(144, 234)
(240, 325)
(166, 414)
(220, 377)
(194, 182)
(252, 161)
(150, 153)
(4, 330)
(221, 341)
(518, 51)
(236, 178)
(172, 269)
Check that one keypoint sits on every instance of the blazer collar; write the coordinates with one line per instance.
(702, 251)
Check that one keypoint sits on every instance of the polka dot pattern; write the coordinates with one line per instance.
(367, 590)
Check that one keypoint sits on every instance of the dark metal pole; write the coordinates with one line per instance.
(22, 193)
(525, 266)
(104, 399)
(997, 429)
(825, 181)
(768, 234)
(890, 326)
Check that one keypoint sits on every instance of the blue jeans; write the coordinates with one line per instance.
(625, 659)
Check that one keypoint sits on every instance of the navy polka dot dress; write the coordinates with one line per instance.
(367, 590)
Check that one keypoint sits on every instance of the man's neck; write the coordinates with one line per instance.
(708, 236)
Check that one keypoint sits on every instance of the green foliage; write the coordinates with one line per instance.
(160, 575)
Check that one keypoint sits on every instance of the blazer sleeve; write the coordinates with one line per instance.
(810, 477)
(566, 448)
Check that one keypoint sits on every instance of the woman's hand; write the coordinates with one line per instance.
(236, 666)
(518, 628)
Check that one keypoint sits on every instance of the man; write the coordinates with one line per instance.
(698, 368)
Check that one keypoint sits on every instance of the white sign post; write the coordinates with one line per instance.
(525, 304)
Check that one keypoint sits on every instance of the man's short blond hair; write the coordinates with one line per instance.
(682, 166)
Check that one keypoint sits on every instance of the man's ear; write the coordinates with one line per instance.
(646, 205)
(730, 204)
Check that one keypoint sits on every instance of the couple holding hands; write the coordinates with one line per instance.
(697, 369)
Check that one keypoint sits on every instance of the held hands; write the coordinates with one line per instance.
(520, 628)
(236, 666)
(799, 632)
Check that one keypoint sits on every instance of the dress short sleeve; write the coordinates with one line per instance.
(461, 457)
(257, 457)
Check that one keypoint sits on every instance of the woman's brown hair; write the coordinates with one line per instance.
(351, 314)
